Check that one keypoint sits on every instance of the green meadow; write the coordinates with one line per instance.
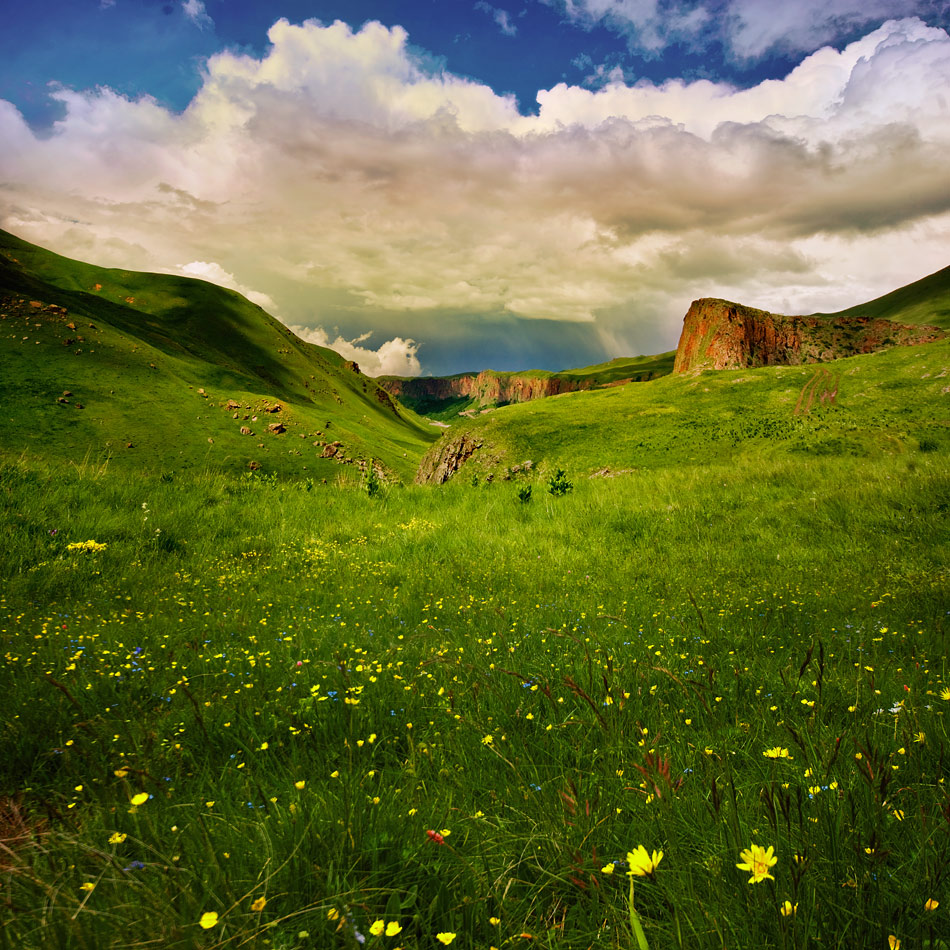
(456, 712)
(307, 705)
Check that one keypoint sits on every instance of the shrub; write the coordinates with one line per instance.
(558, 483)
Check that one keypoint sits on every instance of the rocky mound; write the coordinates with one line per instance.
(718, 334)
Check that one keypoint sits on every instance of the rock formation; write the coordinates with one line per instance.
(718, 334)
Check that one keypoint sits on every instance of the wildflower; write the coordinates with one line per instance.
(893, 942)
(495, 921)
(117, 837)
(88, 886)
(931, 904)
(436, 837)
(333, 914)
(945, 692)
(299, 785)
(777, 753)
(788, 908)
(641, 864)
(377, 927)
(607, 869)
(757, 861)
(259, 904)
(488, 740)
(393, 928)
(208, 919)
(139, 799)
(446, 937)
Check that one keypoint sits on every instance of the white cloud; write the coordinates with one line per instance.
(750, 28)
(195, 11)
(396, 357)
(357, 187)
(216, 274)
(501, 17)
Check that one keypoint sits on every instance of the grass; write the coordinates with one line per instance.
(250, 709)
(890, 402)
(151, 361)
(456, 711)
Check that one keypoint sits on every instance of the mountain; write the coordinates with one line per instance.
(164, 372)
(447, 397)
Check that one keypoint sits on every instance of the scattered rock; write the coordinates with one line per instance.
(210, 440)
(97, 286)
(36, 304)
(253, 466)
(67, 393)
(236, 415)
(70, 326)
(246, 431)
(232, 405)
(278, 428)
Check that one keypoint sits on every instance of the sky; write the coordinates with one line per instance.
(438, 186)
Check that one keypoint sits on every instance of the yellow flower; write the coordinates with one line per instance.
(139, 799)
(788, 908)
(377, 927)
(333, 914)
(945, 692)
(607, 869)
(88, 886)
(393, 928)
(495, 921)
(259, 904)
(777, 753)
(931, 904)
(757, 861)
(893, 942)
(208, 919)
(299, 785)
(117, 837)
(641, 864)
(445, 937)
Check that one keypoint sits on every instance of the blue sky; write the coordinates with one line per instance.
(155, 47)
(436, 186)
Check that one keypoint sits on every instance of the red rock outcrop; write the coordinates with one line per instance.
(718, 334)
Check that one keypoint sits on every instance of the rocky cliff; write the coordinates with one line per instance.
(490, 388)
(718, 334)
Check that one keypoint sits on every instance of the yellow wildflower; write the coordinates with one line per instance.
(757, 861)
(259, 904)
(208, 919)
(641, 864)
(445, 937)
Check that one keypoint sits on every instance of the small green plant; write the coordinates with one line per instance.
(371, 483)
(524, 494)
(928, 445)
(558, 484)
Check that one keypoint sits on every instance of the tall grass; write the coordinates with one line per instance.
(455, 712)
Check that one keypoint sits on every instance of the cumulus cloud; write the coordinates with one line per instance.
(357, 186)
(396, 357)
(195, 11)
(216, 274)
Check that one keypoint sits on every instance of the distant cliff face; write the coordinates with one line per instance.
(489, 388)
(718, 334)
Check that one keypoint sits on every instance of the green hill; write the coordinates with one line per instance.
(897, 400)
(926, 301)
(163, 372)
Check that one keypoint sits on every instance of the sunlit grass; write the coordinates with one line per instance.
(253, 714)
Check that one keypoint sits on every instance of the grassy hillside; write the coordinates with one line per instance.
(894, 401)
(926, 301)
(134, 349)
